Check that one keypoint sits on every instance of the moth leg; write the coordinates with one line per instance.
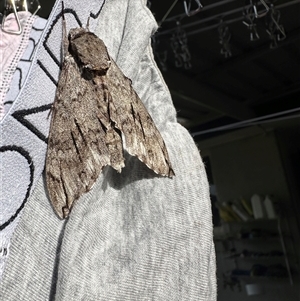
(50, 111)
(65, 209)
(66, 212)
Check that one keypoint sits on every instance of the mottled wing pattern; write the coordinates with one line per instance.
(81, 140)
(142, 138)
(94, 105)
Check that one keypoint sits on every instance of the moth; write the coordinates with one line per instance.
(94, 110)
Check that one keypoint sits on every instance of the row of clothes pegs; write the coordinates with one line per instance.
(14, 7)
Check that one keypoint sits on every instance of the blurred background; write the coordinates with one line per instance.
(233, 69)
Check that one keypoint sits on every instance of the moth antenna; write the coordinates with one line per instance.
(88, 24)
(64, 28)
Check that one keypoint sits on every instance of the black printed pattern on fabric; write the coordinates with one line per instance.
(21, 114)
(22, 69)
(25, 154)
(18, 152)
(58, 17)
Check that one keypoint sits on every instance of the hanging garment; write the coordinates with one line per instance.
(134, 236)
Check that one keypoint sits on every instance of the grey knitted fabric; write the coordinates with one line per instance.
(135, 235)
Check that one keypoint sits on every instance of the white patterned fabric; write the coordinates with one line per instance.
(12, 48)
(17, 55)
(135, 235)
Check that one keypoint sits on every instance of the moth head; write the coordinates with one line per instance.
(89, 50)
(76, 32)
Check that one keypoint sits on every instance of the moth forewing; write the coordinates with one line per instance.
(128, 112)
